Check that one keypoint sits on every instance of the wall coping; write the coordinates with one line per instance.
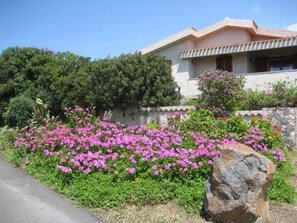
(167, 108)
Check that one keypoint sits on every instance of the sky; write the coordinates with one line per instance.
(102, 28)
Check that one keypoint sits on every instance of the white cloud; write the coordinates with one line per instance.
(292, 27)
(257, 9)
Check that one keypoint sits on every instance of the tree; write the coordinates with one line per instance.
(133, 80)
(19, 69)
(65, 79)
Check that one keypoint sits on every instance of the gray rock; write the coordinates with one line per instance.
(237, 188)
(286, 111)
(289, 129)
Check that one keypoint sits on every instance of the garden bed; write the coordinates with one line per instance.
(119, 169)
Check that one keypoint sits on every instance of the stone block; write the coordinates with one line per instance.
(236, 191)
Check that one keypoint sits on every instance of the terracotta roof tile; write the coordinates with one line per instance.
(237, 44)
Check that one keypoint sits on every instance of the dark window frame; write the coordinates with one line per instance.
(225, 63)
(281, 60)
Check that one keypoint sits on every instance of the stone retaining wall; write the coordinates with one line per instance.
(286, 119)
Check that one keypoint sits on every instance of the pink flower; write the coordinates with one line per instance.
(88, 170)
(130, 169)
(27, 160)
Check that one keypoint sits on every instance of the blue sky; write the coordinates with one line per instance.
(101, 28)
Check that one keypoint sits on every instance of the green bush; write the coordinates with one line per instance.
(256, 100)
(65, 79)
(284, 92)
(203, 121)
(221, 91)
(281, 94)
(19, 112)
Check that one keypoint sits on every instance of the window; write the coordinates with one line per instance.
(281, 63)
(224, 63)
(261, 64)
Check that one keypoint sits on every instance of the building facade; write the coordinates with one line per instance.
(261, 55)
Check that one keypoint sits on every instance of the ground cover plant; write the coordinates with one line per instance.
(97, 163)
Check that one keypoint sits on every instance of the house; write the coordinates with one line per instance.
(261, 55)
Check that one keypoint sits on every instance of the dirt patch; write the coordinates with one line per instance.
(283, 212)
(168, 213)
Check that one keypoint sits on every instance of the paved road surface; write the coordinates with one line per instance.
(23, 200)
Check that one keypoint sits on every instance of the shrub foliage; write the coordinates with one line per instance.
(19, 111)
(63, 78)
(221, 91)
(279, 94)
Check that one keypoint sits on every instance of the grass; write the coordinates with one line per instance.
(282, 188)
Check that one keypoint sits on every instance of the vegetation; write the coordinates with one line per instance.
(97, 163)
(63, 78)
(281, 94)
(18, 112)
(221, 91)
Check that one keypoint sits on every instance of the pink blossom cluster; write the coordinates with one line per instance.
(278, 154)
(118, 149)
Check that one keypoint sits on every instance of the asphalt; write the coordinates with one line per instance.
(24, 200)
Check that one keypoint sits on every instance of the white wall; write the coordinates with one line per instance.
(260, 81)
(148, 115)
(181, 69)
(192, 88)
(254, 81)
(204, 63)
(240, 63)
(225, 37)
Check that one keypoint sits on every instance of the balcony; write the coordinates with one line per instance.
(255, 81)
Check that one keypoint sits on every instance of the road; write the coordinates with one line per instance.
(24, 200)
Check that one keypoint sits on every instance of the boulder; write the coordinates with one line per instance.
(236, 191)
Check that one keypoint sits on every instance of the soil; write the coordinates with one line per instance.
(170, 213)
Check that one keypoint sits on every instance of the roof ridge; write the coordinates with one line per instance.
(225, 23)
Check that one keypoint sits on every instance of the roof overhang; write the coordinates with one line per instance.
(240, 48)
(196, 35)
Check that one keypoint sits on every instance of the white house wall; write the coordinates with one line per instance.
(202, 64)
(225, 37)
(260, 81)
(240, 63)
(182, 70)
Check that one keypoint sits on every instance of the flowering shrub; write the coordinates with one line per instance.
(258, 134)
(221, 91)
(174, 118)
(91, 145)
(89, 158)
(116, 149)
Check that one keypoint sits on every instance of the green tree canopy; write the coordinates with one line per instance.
(65, 79)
